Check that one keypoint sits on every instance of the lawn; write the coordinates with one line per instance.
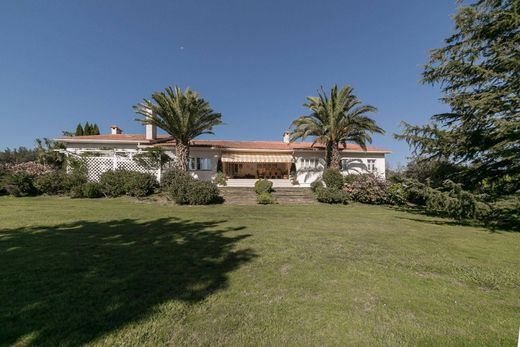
(120, 272)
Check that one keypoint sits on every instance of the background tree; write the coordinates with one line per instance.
(479, 71)
(336, 119)
(182, 114)
(79, 130)
(87, 129)
(95, 129)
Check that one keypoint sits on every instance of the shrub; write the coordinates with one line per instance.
(186, 190)
(202, 193)
(396, 194)
(176, 183)
(265, 198)
(316, 185)
(350, 178)
(52, 183)
(367, 189)
(139, 184)
(76, 192)
(91, 190)
(112, 183)
(263, 186)
(18, 184)
(331, 195)
(333, 178)
(120, 182)
(220, 179)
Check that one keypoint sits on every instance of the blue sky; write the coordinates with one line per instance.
(63, 62)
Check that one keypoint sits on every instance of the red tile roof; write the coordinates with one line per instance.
(165, 141)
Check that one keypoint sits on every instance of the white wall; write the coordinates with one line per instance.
(358, 164)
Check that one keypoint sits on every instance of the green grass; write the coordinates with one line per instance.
(120, 272)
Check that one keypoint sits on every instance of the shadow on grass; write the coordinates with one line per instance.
(495, 225)
(69, 284)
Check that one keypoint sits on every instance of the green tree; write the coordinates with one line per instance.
(87, 129)
(95, 129)
(182, 114)
(479, 71)
(79, 130)
(336, 119)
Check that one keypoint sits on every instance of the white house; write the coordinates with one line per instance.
(242, 162)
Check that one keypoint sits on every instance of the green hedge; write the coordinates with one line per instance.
(120, 182)
(186, 190)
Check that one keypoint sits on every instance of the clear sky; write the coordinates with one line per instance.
(62, 62)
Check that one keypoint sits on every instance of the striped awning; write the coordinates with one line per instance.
(256, 158)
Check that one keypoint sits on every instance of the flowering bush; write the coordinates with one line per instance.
(367, 189)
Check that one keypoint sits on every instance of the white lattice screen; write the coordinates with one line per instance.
(100, 162)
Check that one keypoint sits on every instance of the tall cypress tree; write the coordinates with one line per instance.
(87, 130)
(79, 130)
(95, 129)
(479, 72)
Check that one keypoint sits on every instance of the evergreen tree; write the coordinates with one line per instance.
(95, 129)
(87, 129)
(479, 71)
(79, 130)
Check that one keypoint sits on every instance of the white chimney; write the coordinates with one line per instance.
(150, 129)
(286, 137)
(116, 130)
(151, 132)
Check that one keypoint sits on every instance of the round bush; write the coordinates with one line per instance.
(396, 194)
(333, 178)
(52, 183)
(112, 183)
(120, 182)
(176, 183)
(18, 184)
(265, 198)
(91, 190)
(316, 185)
(263, 186)
(331, 195)
(367, 189)
(139, 184)
(202, 193)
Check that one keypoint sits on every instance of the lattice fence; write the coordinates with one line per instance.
(101, 162)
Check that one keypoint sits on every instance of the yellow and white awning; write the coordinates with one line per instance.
(256, 157)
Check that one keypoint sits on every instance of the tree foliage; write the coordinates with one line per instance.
(182, 114)
(336, 118)
(479, 71)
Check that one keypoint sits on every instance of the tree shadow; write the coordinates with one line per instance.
(490, 225)
(71, 283)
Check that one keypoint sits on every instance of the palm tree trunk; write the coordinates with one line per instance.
(328, 154)
(335, 161)
(182, 152)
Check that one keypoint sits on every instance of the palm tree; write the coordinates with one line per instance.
(183, 115)
(336, 119)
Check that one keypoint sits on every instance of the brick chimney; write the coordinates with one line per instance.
(115, 130)
(286, 137)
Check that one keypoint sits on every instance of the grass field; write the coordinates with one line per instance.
(120, 272)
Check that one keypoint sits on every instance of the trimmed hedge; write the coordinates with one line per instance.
(333, 178)
(186, 190)
(263, 186)
(331, 195)
(119, 182)
(265, 198)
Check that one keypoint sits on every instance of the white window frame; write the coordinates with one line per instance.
(309, 163)
(199, 164)
(371, 165)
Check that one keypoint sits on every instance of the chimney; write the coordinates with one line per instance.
(286, 137)
(116, 130)
(151, 132)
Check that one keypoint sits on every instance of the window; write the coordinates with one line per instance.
(199, 164)
(308, 163)
(371, 165)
